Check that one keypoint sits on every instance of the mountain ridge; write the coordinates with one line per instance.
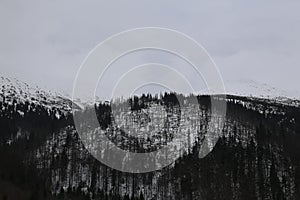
(13, 88)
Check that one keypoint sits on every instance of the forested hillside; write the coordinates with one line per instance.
(256, 157)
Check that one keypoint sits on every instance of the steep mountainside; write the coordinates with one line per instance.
(13, 89)
(256, 157)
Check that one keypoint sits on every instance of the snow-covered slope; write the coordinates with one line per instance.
(12, 89)
(255, 89)
(252, 89)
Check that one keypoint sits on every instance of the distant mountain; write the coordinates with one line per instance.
(250, 88)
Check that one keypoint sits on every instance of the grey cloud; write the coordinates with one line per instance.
(45, 42)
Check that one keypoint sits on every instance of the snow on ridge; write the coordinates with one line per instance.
(12, 89)
(252, 89)
(261, 90)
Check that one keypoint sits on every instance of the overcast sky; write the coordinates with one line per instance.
(45, 42)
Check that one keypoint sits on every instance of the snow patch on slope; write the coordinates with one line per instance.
(12, 89)
(255, 89)
(251, 88)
